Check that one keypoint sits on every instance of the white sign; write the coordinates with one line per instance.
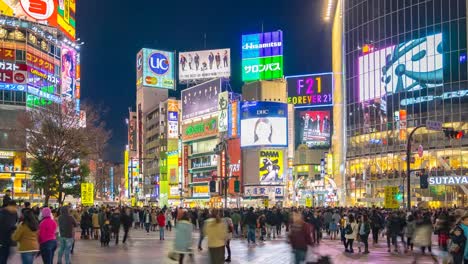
(260, 191)
(174, 191)
(204, 64)
(433, 125)
(223, 101)
(448, 180)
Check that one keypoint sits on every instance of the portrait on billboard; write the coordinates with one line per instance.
(68, 72)
(204, 64)
(314, 128)
(265, 131)
(271, 166)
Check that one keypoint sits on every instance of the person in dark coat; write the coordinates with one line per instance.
(126, 220)
(457, 245)
(6, 198)
(8, 218)
(115, 224)
(86, 224)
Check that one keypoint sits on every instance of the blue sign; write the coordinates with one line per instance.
(262, 45)
(173, 116)
(158, 63)
(12, 87)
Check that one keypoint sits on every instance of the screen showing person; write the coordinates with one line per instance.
(271, 131)
(270, 170)
(263, 132)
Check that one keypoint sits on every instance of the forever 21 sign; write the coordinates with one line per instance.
(200, 129)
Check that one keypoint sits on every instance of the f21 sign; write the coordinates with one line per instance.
(310, 90)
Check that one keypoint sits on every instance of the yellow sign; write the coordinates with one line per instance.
(6, 154)
(330, 164)
(266, 202)
(87, 193)
(134, 203)
(390, 200)
(126, 169)
(201, 189)
(308, 202)
(271, 166)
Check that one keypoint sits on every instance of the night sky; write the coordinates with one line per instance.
(114, 31)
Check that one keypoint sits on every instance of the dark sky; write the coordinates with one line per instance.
(115, 30)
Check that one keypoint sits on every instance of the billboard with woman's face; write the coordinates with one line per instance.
(68, 71)
(264, 124)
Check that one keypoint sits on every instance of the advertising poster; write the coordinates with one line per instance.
(204, 64)
(57, 13)
(13, 73)
(87, 193)
(201, 99)
(313, 128)
(223, 102)
(158, 69)
(262, 56)
(271, 167)
(310, 90)
(235, 165)
(68, 71)
(201, 129)
(264, 124)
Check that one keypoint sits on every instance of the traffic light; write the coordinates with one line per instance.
(454, 134)
(212, 186)
(236, 186)
(423, 183)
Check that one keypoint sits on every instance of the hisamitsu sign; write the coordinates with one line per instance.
(448, 180)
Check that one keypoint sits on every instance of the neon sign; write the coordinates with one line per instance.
(310, 90)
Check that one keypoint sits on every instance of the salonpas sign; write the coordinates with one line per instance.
(200, 129)
(448, 180)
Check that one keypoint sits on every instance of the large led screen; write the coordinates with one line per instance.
(68, 72)
(264, 124)
(204, 64)
(312, 90)
(409, 66)
(313, 128)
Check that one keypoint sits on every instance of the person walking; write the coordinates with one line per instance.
(201, 222)
(464, 226)
(376, 225)
(147, 220)
(236, 221)
(162, 224)
(457, 245)
(26, 236)
(95, 223)
(216, 233)
(154, 220)
(126, 220)
(85, 224)
(66, 226)
(47, 239)
(410, 227)
(299, 237)
(230, 229)
(364, 231)
(6, 198)
(251, 223)
(423, 237)
(351, 233)
(8, 218)
(183, 237)
(168, 220)
(115, 224)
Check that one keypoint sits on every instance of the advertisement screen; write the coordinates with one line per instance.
(56, 13)
(68, 71)
(201, 99)
(262, 56)
(158, 69)
(271, 167)
(310, 90)
(409, 66)
(313, 128)
(264, 124)
(204, 64)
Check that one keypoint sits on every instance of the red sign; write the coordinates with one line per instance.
(14, 73)
(186, 168)
(7, 54)
(235, 167)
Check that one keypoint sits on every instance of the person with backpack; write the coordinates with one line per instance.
(457, 245)
(351, 233)
(230, 227)
(364, 231)
(299, 237)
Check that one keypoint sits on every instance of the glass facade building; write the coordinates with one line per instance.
(405, 63)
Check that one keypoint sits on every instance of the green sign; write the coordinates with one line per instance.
(33, 100)
(200, 129)
(266, 68)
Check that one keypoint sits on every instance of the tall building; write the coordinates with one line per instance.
(405, 64)
(40, 68)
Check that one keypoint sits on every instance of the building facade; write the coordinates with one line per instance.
(405, 63)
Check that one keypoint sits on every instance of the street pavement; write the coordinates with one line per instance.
(145, 248)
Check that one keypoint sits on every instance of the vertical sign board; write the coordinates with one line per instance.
(390, 200)
(402, 125)
(126, 169)
(87, 193)
(139, 67)
(262, 56)
(223, 101)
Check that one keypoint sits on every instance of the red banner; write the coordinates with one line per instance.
(235, 167)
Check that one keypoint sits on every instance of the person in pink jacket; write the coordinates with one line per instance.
(47, 239)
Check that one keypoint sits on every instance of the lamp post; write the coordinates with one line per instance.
(408, 166)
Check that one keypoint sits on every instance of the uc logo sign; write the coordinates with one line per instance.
(158, 63)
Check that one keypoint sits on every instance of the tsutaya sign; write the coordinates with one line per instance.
(448, 180)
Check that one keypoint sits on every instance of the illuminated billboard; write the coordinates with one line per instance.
(313, 128)
(271, 167)
(201, 99)
(312, 90)
(264, 124)
(158, 69)
(204, 64)
(235, 162)
(200, 129)
(55, 13)
(262, 56)
(68, 71)
(410, 66)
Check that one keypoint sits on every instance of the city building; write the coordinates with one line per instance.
(40, 65)
(405, 64)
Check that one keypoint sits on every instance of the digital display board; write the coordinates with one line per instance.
(271, 167)
(158, 69)
(262, 56)
(201, 99)
(313, 128)
(410, 66)
(204, 64)
(313, 90)
(264, 124)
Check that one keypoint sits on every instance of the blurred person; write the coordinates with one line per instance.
(95, 224)
(351, 233)
(251, 223)
(235, 216)
(8, 218)
(162, 224)
(168, 220)
(66, 227)
(393, 230)
(464, 226)
(457, 245)
(26, 236)
(147, 220)
(47, 237)
(183, 237)
(423, 237)
(126, 220)
(115, 221)
(376, 226)
(364, 231)
(216, 233)
(299, 237)
(85, 224)
(410, 228)
(136, 218)
(230, 229)
(154, 220)
(201, 221)
(333, 229)
(278, 218)
(6, 198)
(105, 233)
